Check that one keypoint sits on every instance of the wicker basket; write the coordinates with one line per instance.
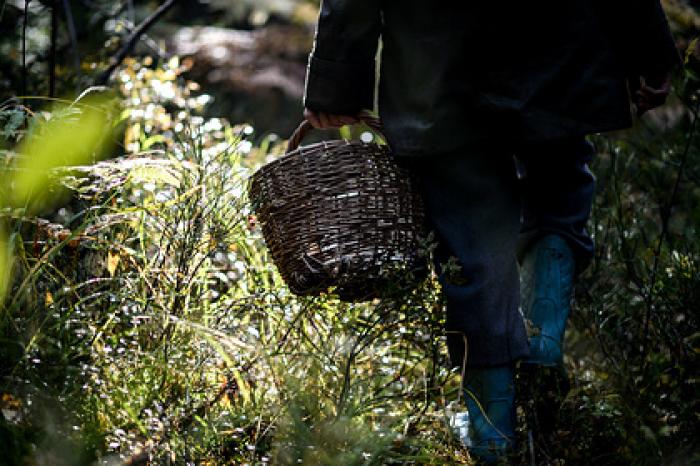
(340, 214)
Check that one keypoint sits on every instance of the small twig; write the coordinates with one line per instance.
(133, 40)
(340, 405)
(73, 35)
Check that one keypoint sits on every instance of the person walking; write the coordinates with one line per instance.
(489, 105)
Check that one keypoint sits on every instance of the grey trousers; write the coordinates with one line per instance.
(485, 207)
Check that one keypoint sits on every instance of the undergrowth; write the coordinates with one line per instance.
(145, 321)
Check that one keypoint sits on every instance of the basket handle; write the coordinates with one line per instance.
(305, 128)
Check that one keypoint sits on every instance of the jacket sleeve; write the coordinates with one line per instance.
(641, 30)
(659, 53)
(340, 75)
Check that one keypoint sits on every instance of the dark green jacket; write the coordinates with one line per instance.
(458, 72)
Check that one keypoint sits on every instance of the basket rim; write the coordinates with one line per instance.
(304, 150)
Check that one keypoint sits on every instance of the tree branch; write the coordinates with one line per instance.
(73, 35)
(132, 41)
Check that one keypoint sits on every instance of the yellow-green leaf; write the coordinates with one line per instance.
(73, 136)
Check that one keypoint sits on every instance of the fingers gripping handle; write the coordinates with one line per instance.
(305, 127)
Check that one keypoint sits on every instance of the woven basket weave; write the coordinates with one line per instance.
(339, 214)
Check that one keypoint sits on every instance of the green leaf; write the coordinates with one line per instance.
(14, 119)
(692, 47)
(72, 136)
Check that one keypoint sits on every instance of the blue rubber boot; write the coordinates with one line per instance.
(548, 278)
(490, 399)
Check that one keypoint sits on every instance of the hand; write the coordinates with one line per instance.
(323, 120)
(650, 93)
